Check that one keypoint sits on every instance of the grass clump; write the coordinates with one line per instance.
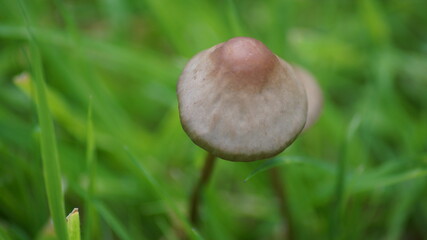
(359, 173)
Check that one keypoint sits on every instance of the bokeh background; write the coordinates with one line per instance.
(111, 67)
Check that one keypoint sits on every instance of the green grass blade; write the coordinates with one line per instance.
(403, 205)
(340, 183)
(341, 176)
(233, 19)
(91, 172)
(51, 166)
(288, 160)
(375, 22)
(73, 225)
(363, 183)
(340, 190)
(105, 213)
(114, 223)
(3, 234)
(197, 235)
(50, 159)
(169, 204)
(282, 17)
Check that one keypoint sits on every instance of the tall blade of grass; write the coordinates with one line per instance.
(29, 183)
(114, 223)
(164, 227)
(3, 234)
(12, 232)
(403, 206)
(171, 22)
(65, 116)
(91, 172)
(340, 183)
(233, 19)
(104, 212)
(114, 115)
(288, 160)
(197, 235)
(375, 22)
(282, 14)
(218, 224)
(73, 225)
(360, 184)
(144, 62)
(13, 129)
(340, 188)
(70, 24)
(51, 166)
(169, 204)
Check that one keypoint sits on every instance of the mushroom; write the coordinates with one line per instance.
(314, 95)
(240, 102)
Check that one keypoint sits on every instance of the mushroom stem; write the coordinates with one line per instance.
(198, 189)
(280, 191)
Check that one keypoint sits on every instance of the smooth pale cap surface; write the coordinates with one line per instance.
(314, 95)
(240, 102)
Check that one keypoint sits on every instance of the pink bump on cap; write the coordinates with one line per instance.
(245, 56)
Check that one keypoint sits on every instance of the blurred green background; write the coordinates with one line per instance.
(111, 67)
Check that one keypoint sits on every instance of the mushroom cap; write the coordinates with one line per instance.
(241, 102)
(314, 95)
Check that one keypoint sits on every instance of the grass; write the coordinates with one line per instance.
(91, 175)
(73, 225)
(48, 145)
(100, 75)
(49, 152)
